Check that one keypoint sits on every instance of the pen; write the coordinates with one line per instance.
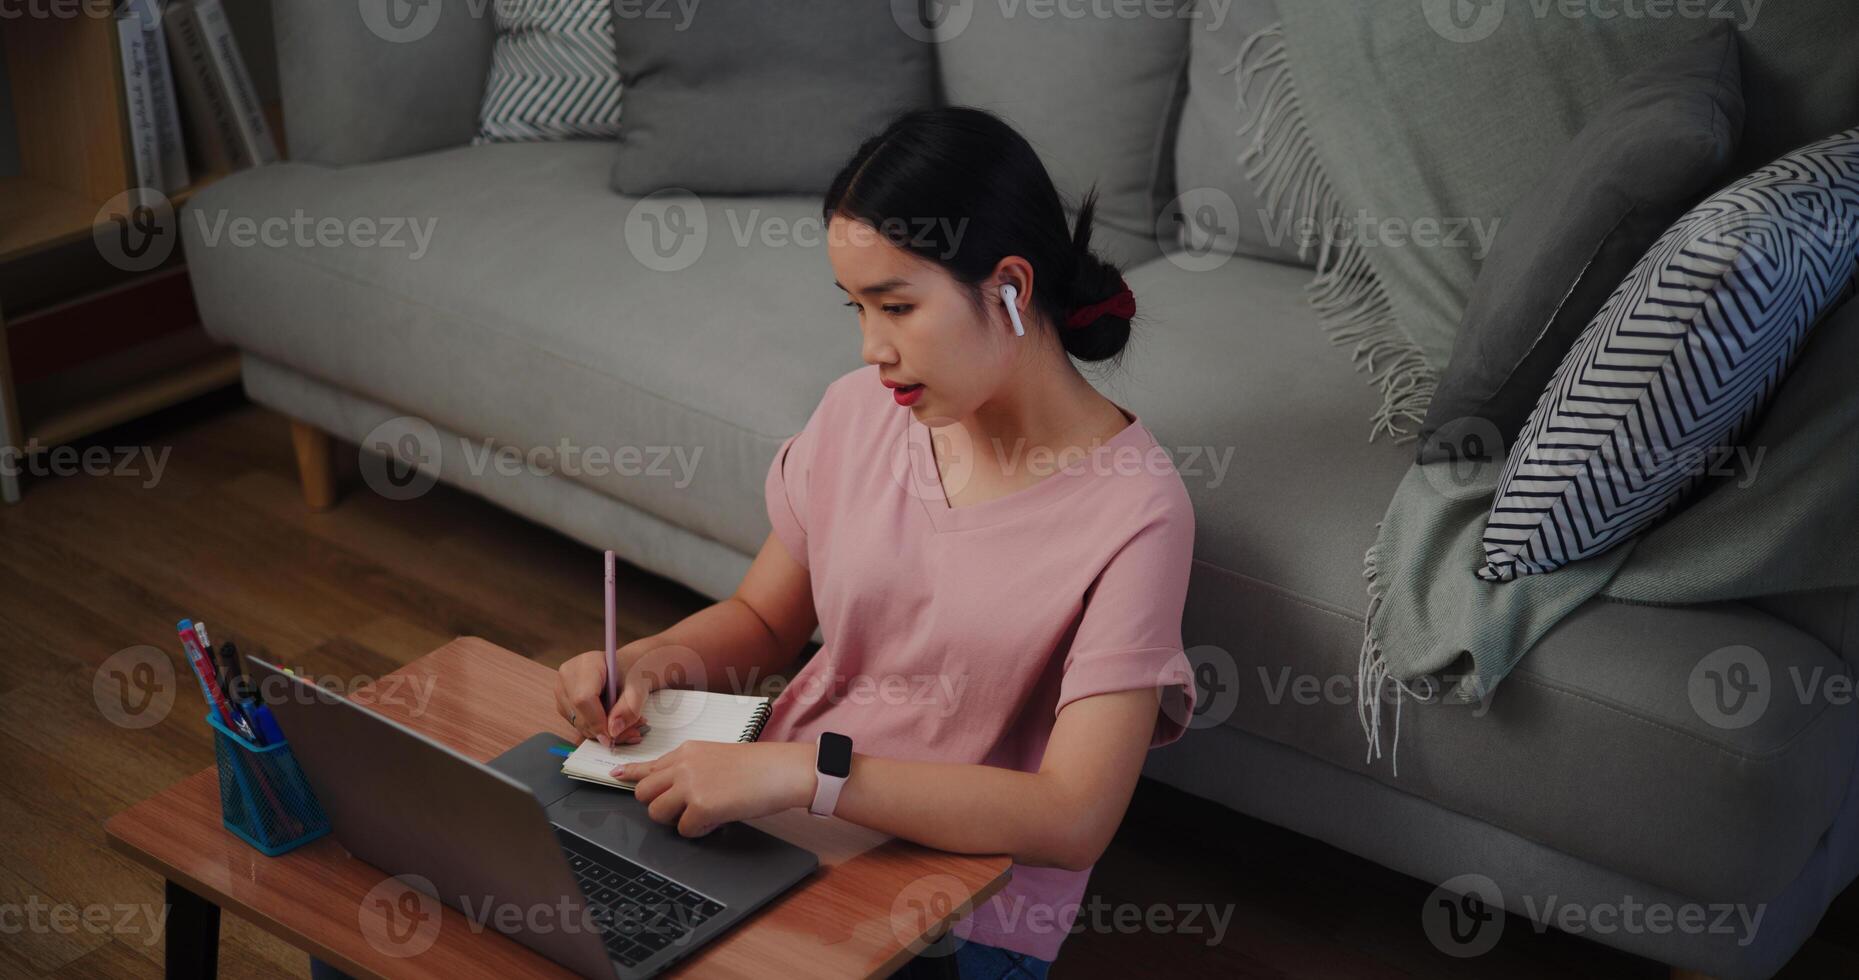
(613, 678)
(233, 680)
(209, 679)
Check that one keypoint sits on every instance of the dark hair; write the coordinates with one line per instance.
(961, 187)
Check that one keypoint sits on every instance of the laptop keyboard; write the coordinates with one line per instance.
(639, 912)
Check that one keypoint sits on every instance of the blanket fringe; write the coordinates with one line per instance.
(1372, 674)
(1281, 163)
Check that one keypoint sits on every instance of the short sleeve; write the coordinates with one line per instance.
(786, 487)
(1129, 636)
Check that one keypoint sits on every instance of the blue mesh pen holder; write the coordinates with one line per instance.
(263, 797)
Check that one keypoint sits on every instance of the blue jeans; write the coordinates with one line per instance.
(979, 961)
(974, 961)
(944, 960)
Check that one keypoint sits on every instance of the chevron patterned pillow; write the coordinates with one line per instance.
(554, 74)
(1683, 354)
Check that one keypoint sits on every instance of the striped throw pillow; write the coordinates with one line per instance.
(1682, 355)
(554, 74)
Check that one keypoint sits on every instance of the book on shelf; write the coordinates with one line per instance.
(154, 112)
(138, 101)
(229, 128)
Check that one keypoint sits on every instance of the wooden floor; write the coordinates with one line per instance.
(92, 565)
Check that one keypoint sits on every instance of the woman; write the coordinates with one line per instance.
(998, 554)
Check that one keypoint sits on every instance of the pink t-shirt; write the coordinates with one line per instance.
(957, 634)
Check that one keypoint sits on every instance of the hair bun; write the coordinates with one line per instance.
(1093, 281)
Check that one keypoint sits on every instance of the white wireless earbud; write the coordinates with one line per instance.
(1012, 297)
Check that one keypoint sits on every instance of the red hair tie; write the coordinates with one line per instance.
(1122, 303)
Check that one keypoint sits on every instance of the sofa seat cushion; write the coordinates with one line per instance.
(1603, 743)
(528, 316)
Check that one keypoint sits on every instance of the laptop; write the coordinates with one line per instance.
(578, 873)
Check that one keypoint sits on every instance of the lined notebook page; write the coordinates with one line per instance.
(675, 717)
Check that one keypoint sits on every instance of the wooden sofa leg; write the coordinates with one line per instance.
(315, 464)
(1680, 973)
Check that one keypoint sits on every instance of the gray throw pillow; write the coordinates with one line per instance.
(1089, 89)
(1663, 138)
(1214, 209)
(752, 97)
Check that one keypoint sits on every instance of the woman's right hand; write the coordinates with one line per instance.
(582, 683)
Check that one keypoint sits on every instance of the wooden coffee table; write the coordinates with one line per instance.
(872, 904)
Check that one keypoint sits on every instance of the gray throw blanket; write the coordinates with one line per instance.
(1787, 523)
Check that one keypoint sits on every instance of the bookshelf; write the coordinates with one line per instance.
(72, 129)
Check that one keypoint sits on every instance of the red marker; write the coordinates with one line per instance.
(209, 679)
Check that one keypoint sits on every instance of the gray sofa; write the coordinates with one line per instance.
(1590, 781)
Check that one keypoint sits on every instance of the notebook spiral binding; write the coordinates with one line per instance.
(753, 730)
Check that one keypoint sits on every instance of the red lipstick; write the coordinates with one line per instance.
(904, 394)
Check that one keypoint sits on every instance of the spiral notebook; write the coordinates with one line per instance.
(673, 717)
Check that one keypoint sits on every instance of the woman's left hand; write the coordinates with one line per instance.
(701, 785)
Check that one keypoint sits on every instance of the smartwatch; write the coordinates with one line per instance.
(832, 763)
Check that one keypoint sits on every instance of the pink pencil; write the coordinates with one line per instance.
(613, 680)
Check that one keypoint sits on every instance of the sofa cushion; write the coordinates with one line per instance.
(1602, 708)
(752, 97)
(531, 314)
(1091, 93)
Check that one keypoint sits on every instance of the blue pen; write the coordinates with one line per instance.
(232, 680)
(265, 723)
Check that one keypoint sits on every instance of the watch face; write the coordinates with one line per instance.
(835, 754)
